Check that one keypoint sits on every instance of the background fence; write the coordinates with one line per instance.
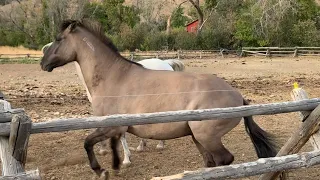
(188, 54)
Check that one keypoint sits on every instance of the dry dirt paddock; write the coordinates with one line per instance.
(59, 94)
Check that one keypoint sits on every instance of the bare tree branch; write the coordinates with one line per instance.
(211, 11)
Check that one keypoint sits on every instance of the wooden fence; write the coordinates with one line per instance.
(281, 51)
(310, 115)
(192, 54)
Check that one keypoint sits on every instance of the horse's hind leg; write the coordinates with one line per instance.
(160, 144)
(213, 145)
(142, 145)
(207, 156)
(209, 134)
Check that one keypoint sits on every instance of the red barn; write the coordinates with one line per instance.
(193, 26)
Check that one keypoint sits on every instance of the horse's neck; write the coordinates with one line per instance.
(79, 72)
(99, 66)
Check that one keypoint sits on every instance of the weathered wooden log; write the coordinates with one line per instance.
(10, 165)
(19, 137)
(298, 139)
(260, 166)
(6, 115)
(165, 117)
(29, 175)
(300, 94)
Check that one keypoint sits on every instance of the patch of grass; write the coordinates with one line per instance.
(19, 60)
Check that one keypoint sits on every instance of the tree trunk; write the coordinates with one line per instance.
(169, 25)
(196, 5)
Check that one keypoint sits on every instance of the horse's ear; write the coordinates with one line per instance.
(71, 27)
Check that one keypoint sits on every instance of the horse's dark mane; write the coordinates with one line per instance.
(95, 28)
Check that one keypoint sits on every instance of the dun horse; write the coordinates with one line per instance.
(154, 64)
(127, 88)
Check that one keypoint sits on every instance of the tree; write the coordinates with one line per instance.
(22, 16)
(178, 19)
(208, 9)
(112, 14)
(196, 5)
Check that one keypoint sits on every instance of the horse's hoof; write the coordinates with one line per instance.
(115, 172)
(140, 149)
(103, 152)
(160, 147)
(104, 175)
(126, 164)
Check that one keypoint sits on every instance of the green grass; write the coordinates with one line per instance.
(19, 60)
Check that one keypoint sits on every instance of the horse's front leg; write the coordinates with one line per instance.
(103, 148)
(126, 151)
(102, 134)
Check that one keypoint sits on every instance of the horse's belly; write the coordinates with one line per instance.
(161, 131)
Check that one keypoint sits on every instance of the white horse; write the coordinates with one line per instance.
(154, 64)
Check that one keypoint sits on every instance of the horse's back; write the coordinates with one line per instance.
(155, 64)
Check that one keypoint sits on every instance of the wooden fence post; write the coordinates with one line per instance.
(298, 139)
(13, 149)
(298, 94)
(131, 56)
(10, 165)
(268, 53)
(19, 137)
(295, 52)
(221, 52)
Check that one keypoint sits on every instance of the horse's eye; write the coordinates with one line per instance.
(58, 38)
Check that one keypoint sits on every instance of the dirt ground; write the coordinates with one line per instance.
(17, 50)
(59, 94)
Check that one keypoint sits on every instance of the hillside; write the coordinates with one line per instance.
(167, 6)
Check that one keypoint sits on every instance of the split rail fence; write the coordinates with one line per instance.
(281, 51)
(16, 126)
(189, 54)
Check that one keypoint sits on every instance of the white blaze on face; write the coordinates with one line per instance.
(79, 72)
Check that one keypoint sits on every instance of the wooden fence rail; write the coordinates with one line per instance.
(263, 165)
(15, 124)
(281, 51)
(59, 125)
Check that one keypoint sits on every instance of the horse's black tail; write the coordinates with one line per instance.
(262, 141)
(115, 155)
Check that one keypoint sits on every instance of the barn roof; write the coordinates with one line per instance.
(192, 22)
